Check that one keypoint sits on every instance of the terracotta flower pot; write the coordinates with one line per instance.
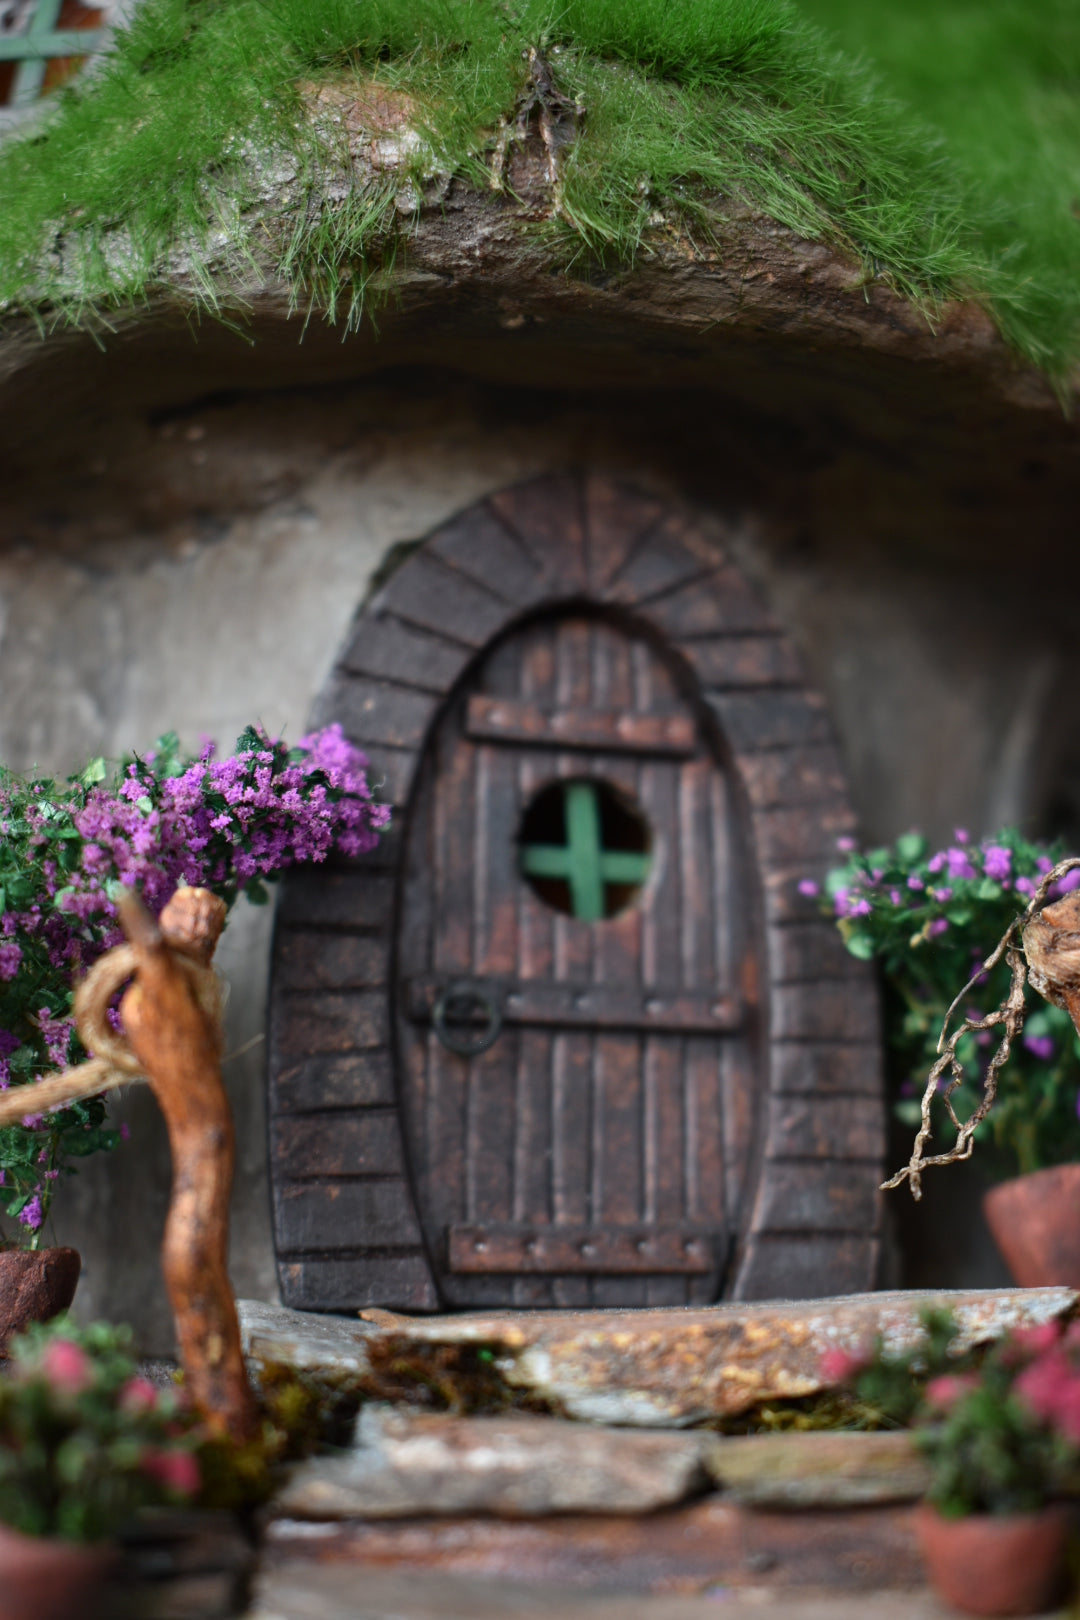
(45, 1579)
(1035, 1221)
(35, 1285)
(994, 1564)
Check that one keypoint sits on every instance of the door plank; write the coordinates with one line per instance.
(502, 720)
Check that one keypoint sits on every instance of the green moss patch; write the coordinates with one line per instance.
(685, 102)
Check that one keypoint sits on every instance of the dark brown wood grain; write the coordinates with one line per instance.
(354, 1080)
(391, 650)
(382, 711)
(309, 1024)
(737, 661)
(507, 720)
(379, 1210)
(616, 516)
(399, 1282)
(479, 545)
(614, 1097)
(432, 596)
(786, 1265)
(364, 1142)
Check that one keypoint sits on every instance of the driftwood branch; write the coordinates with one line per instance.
(1050, 937)
(178, 1046)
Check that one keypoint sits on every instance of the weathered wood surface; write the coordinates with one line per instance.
(178, 1045)
(656, 1368)
(723, 1128)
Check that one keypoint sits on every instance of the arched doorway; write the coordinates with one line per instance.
(573, 1036)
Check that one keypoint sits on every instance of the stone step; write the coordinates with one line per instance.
(822, 1469)
(408, 1463)
(645, 1368)
(712, 1542)
(302, 1591)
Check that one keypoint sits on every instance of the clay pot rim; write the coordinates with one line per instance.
(1049, 1172)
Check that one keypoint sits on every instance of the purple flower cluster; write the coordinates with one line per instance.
(224, 824)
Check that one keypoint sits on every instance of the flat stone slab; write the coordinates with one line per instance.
(299, 1591)
(712, 1542)
(812, 1470)
(406, 1464)
(653, 1368)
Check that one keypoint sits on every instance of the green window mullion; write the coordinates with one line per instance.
(624, 867)
(583, 838)
(546, 860)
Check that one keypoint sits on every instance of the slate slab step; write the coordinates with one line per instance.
(651, 1368)
(710, 1542)
(406, 1463)
(817, 1470)
(299, 1591)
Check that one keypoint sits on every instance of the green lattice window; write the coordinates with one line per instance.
(585, 848)
(42, 42)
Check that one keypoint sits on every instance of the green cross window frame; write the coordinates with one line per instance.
(42, 41)
(601, 878)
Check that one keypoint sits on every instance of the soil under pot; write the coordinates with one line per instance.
(42, 1578)
(35, 1286)
(1035, 1221)
(990, 1564)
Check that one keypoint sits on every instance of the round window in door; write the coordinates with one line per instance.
(585, 848)
(578, 1091)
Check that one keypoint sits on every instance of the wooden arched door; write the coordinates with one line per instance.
(609, 780)
(576, 885)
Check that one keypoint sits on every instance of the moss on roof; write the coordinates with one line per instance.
(928, 174)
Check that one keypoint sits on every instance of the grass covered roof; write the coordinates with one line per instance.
(938, 141)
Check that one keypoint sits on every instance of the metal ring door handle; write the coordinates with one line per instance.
(467, 1018)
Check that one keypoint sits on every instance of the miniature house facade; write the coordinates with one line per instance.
(639, 589)
(573, 1036)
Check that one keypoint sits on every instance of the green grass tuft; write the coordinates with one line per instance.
(687, 102)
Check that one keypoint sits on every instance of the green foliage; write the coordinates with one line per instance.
(930, 920)
(892, 1385)
(84, 1442)
(990, 1455)
(686, 102)
(1001, 80)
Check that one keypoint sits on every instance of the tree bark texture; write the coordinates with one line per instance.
(178, 1045)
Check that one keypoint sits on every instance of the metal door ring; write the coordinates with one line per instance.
(464, 1004)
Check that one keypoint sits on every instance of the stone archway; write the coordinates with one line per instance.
(346, 1201)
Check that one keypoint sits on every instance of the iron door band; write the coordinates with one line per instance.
(485, 1006)
(638, 1249)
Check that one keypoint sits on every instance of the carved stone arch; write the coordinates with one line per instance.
(345, 1211)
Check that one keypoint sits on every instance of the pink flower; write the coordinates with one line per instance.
(808, 887)
(178, 1471)
(944, 1392)
(1034, 1341)
(67, 1367)
(845, 845)
(138, 1395)
(840, 1366)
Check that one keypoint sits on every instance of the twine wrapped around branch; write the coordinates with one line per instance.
(1048, 954)
(113, 1064)
(171, 1016)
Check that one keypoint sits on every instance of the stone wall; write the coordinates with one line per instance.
(196, 568)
